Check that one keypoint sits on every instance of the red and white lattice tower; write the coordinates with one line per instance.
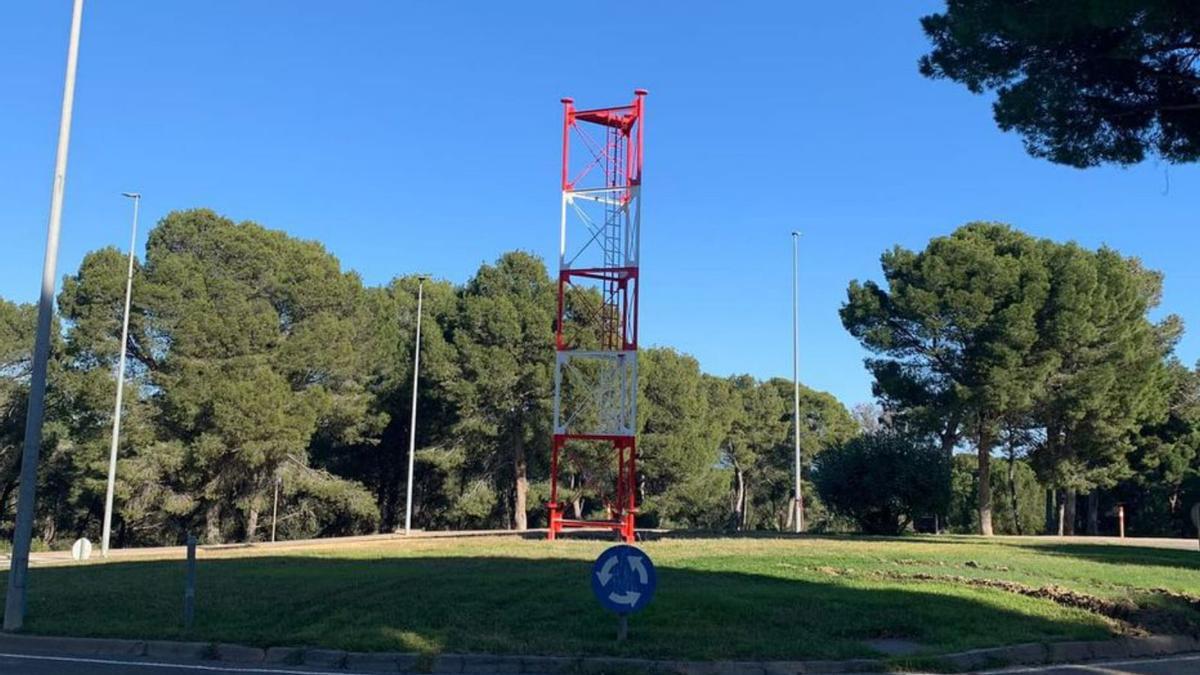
(595, 376)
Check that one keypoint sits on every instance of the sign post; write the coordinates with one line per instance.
(623, 580)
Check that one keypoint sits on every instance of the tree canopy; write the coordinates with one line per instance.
(992, 337)
(258, 365)
(1084, 82)
(956, 328)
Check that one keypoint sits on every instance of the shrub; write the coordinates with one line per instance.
(883, 480)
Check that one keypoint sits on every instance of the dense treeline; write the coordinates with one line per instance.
(1044, 353)
(258, 366)
(257, 363)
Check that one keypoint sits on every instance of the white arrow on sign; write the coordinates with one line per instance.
(605, 573)
(627, 598)
(635, 564)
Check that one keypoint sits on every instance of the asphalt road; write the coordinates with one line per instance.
(37, 664)
(42, 664)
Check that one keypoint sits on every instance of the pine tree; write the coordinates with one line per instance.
(955, 329)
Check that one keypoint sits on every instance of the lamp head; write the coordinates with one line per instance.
(132, 195)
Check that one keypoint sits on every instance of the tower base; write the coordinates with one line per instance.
(624, 527)
(624, 509)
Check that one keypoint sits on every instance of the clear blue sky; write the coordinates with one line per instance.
(424, 136)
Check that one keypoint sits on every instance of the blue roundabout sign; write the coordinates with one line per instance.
(623, 579)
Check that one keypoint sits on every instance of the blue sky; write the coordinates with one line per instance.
(424, 136)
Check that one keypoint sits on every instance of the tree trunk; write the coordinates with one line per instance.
(1068, 526)
(949, 438)
(1051, 511)
(49, 532)
(1062, 516)
(985, 485)
(388, 502)
(387, 459)
(1093, 515)
(4, 497)
(948, 443)
(252, 523)
(577, 501)
(949, 435)
(1012, 490)
(212, 523)
(520, 468)
(739, 498)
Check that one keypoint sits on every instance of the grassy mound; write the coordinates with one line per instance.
(745, 598)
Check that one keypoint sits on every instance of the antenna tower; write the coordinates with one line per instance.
(596, 335)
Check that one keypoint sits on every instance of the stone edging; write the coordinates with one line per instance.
(447, 664)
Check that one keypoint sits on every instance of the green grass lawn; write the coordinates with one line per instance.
(763, 598)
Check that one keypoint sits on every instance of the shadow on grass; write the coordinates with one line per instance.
(1115, 554)
(528, 606)
(1120, 554)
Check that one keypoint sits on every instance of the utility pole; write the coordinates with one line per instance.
(412, 427)
(798, 509)
(14, 604)
(116, 430)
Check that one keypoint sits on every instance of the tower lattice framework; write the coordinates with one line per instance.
(596, 337)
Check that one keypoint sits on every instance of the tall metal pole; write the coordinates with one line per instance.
(798, 512)
(412, 427)
(116, 429)
(14, 604)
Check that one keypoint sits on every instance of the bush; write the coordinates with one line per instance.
(316, 503)
(883, 481)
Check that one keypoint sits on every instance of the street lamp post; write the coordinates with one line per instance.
(14, 602)
(412, 427)
(798, 508)
(116, 429)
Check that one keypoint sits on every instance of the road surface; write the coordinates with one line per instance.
(41, 664)
(44, 664)
(1171, 665)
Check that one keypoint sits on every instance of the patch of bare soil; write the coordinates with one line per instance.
(1167, 612)
(1128, 616)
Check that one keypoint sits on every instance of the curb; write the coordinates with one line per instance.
(459, 664)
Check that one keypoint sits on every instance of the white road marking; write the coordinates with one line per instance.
(178, 666)
(1093, 665)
